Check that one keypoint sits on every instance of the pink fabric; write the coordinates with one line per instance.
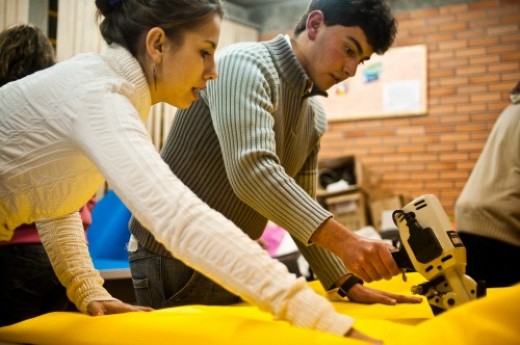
(24, 234)
(28, 234)
(272, 237)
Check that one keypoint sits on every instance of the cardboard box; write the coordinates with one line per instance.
(380, 208)
(348, 168)
(349, 209)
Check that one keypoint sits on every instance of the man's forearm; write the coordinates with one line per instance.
(331, 235)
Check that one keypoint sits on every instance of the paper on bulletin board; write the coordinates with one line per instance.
(393, 84)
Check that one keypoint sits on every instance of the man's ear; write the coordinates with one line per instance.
(315, 19)
(155, 39)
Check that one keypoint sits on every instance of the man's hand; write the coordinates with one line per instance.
(98, 308)
(369, 259)
(366, 258)
(362, 294)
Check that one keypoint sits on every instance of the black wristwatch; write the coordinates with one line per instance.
(350, 282)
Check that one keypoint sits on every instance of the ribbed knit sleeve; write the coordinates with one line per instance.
(269, 135)
(326, 265)
(245, 125)
(64, 241)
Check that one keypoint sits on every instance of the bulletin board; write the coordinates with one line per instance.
(393, 84)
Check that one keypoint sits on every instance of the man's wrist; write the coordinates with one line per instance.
(348, 284)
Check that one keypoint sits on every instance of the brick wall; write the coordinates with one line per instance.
(473, 63)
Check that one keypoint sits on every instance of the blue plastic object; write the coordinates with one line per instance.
(108, 235)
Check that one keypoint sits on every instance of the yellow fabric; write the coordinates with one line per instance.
(490, 320)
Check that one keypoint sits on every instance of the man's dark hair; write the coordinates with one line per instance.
(374, 17)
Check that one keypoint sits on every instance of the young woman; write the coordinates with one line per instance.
(65, 129)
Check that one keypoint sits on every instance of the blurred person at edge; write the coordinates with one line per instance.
(487, 212)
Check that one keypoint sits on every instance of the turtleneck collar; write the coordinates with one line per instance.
(126, 65)
(290, 69)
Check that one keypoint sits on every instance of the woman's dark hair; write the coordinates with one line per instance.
(126, 22)
(24, 49)
(374, 17)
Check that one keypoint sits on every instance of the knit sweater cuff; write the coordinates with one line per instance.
(309, 310)
(64, 241)
(86, 288)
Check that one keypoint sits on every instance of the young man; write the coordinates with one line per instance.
(249, 147)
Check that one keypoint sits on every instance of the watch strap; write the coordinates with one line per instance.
(349, 283)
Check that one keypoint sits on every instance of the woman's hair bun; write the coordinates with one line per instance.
(105, 7)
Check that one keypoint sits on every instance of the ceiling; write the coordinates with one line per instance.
(251, 3)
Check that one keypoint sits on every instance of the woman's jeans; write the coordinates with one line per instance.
(161, 282)
(28, 285)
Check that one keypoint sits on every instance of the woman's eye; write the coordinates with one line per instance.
(204, 53)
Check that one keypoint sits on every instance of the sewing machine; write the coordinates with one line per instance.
(429, 246)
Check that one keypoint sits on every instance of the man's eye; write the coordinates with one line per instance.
(349, 51)
(204, 53)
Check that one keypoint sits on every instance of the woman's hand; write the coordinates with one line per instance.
(358, 335)
(98, 308)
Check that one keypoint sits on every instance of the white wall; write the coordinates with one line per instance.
(13, 12)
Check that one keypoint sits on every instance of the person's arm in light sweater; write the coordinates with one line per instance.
(65, 243)
(117, 141)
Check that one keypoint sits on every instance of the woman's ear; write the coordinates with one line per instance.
(315, 19)
(155, 39)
